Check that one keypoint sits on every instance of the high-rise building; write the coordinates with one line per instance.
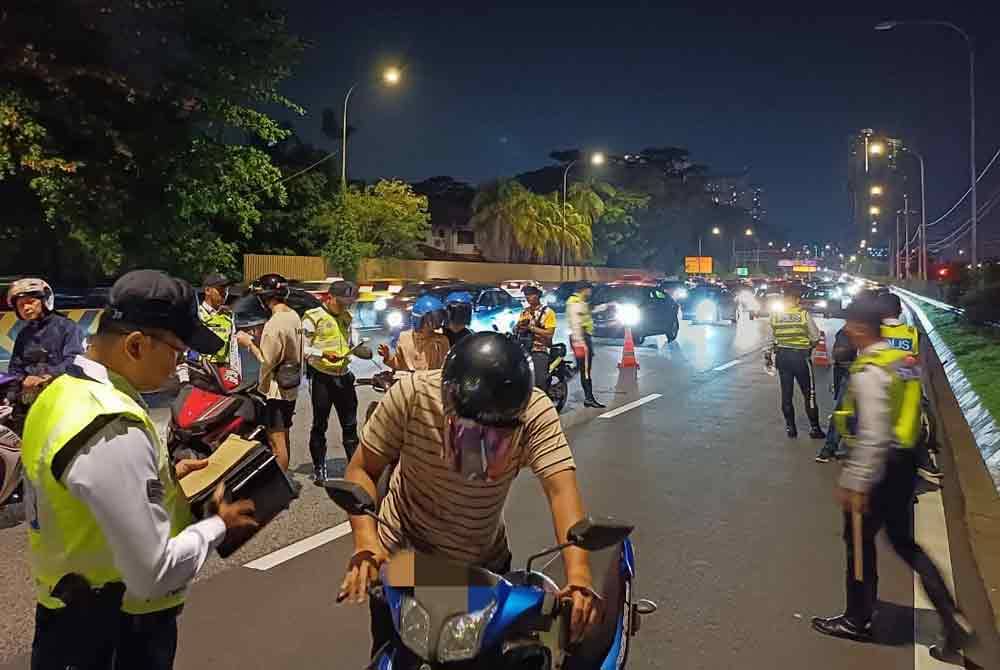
(736, 190)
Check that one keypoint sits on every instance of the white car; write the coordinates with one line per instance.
(516, 287)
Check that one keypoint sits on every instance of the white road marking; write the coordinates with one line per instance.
(286, 554)
(726, 366)
(632, 405)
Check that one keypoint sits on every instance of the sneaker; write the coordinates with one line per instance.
(823, 456)
(791, 431)
(319, 474)
(817, 433)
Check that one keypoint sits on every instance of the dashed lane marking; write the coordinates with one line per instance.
(286, 554)
(632, 405)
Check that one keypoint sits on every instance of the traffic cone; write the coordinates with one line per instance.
(628, 352)
(821, 357)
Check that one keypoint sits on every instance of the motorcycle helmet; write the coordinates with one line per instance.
(32, 288)
(426, 307)
(459, 307)
(487, 378)
(269, 287)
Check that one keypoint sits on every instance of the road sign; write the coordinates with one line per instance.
(804, 268)
(698, 265)
(742, 272)
(786, 263)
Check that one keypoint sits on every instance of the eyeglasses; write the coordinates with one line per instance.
(181, 352)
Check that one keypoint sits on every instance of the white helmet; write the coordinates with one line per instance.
(37, 288)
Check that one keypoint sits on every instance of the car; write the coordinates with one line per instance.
(643, 307)
(711, 304)
(373, 300)
(770, 301)
(318, 288)
(822, 301)
(516, 287)
(675, 288)
(556, 299)
(491, 306)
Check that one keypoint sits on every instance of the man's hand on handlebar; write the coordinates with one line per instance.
(362, 573)
(587, 609)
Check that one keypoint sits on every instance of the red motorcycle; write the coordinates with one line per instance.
(212, 405)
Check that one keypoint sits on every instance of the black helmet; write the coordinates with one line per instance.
(270, 286)
(487, 378)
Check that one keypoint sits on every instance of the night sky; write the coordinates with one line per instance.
(489, 91)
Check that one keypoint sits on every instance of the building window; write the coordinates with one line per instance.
(466, 237)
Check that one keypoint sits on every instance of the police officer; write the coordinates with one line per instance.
(536, 327)
(581, 330)
(214, 313)
(880, 419)
(793, 335)
(112, 546)
(458, 308)
(328, 336)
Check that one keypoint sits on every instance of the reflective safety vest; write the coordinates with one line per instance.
(64, 537)
(222, 324)
(904, 397)
(791, 329)
(330, 333)
(902, 337)
(586, 318)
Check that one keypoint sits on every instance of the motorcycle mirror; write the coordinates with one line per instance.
(350, 497)
(596, 534)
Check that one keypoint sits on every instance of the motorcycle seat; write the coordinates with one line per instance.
(196, 410)
(605, 567)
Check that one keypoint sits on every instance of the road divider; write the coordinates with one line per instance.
(286, 554)
(632, 405)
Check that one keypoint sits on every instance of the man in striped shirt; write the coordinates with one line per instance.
(443, 494)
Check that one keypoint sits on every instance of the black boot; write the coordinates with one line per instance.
(319, 474)
(588, 393)
(841, 626)
(790, 430)
(958, 635)
(592, 402)
(817, 433)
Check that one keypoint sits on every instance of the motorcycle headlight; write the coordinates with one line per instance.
(821, 304)
(394, 319)
(415, 627)
(705, 311)
(462, 634)
(380, 304)
(628, 314)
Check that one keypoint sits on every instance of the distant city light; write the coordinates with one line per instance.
(874, 211)
(716, 231)
(392, 76)
(597, 159)
(876, 149)
(876, 190)
(749, 232)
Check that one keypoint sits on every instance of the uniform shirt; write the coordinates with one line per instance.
(898, 322)
(60, 337)
(810, 325)
(866, 462)
(280, 342)
(206, 312)
(540, 317)
(110, 475)
(344, 321)
(419, 351)
(427, 499)
(577, 314)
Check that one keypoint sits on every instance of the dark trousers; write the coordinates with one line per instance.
(585, 365)
(840, 377)
(891, 505)
(795, 365)
(540, 361)
(327, 392)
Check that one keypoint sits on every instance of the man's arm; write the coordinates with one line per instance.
(574, 313)
(866, 462)
(71, 348)
(813, 329)
(548, 327)
(116, 476)
(567, 509)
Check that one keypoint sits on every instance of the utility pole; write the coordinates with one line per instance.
(897, 269)
(906, 219)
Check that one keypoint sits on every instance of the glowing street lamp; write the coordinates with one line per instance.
(749, 232)
(716, 231)
(390, 76)
(597, 158)
(874, 211)
(770, 244)
(876, 148)
(876, 190)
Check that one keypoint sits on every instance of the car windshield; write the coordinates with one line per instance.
(603, 294)
(818, 294)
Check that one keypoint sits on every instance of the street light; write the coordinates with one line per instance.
(876, 148)
(770, 244)
(716, 231)
(874, 211)
(876, 190)
(391, 76)
(853, 258)
(961, 252)
(596, 159)
(889, 25)
(749, 232)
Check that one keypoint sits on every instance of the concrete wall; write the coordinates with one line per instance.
(372, 268)
(304, 268)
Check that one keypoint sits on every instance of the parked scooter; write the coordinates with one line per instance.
(210, 407)
(11, 424)
(561, 370)
(502, 621)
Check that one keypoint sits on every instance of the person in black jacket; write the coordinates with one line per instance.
(844, 354)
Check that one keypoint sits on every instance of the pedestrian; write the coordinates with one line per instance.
(329, 348)
(280, 356)
(844, 355)
(458, 306)
(902, 336)
(880, 419)
(793, 335)
(47, 343)
(215, 314)
(581, 331)
(421, 347)
(458, 438)
(536, 327)
(112, 543)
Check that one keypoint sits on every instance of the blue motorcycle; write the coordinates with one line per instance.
(453, 616)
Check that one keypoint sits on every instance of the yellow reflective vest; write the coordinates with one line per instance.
(904, 397)
(330, 333)
(222, 324)
(902, 337)
(791, 329)
(64, 537)
(582, 310)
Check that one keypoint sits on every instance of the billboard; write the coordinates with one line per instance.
(698, 265)
(804, 268)
(786, 263)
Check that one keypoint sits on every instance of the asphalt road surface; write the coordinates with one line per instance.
(737, 537)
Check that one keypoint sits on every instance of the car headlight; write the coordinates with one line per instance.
(628, 314)
(853, 289)
(381, 304)
(822, 304)
(394, 319)
(777, 306)
(463, 634)
(705, 311)
(680, 294)
(764, 287)
(415, 627)
(550, 299)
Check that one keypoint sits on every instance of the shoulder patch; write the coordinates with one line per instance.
(154, 491)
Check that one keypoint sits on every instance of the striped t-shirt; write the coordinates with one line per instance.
(431, 502)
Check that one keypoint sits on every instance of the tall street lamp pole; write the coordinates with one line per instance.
(595, 159)
(391, 76)
(923, 215)
(889, 25)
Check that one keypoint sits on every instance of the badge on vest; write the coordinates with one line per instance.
(901, 343)
(155, 491)
(789, 318)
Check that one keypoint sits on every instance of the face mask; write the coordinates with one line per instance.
(475, 451)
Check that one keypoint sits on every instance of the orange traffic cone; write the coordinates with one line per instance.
(821, 357)
(628, 352)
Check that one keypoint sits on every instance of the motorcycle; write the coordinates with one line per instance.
(11, 421)
(561, 370)
(501, 621)
(211, 405)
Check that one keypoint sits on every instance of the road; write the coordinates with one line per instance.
(737, 536)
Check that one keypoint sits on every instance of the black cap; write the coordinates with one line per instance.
(866, 308)
(216, 279)
(531, 288)
(154, 299)
(344, 290)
